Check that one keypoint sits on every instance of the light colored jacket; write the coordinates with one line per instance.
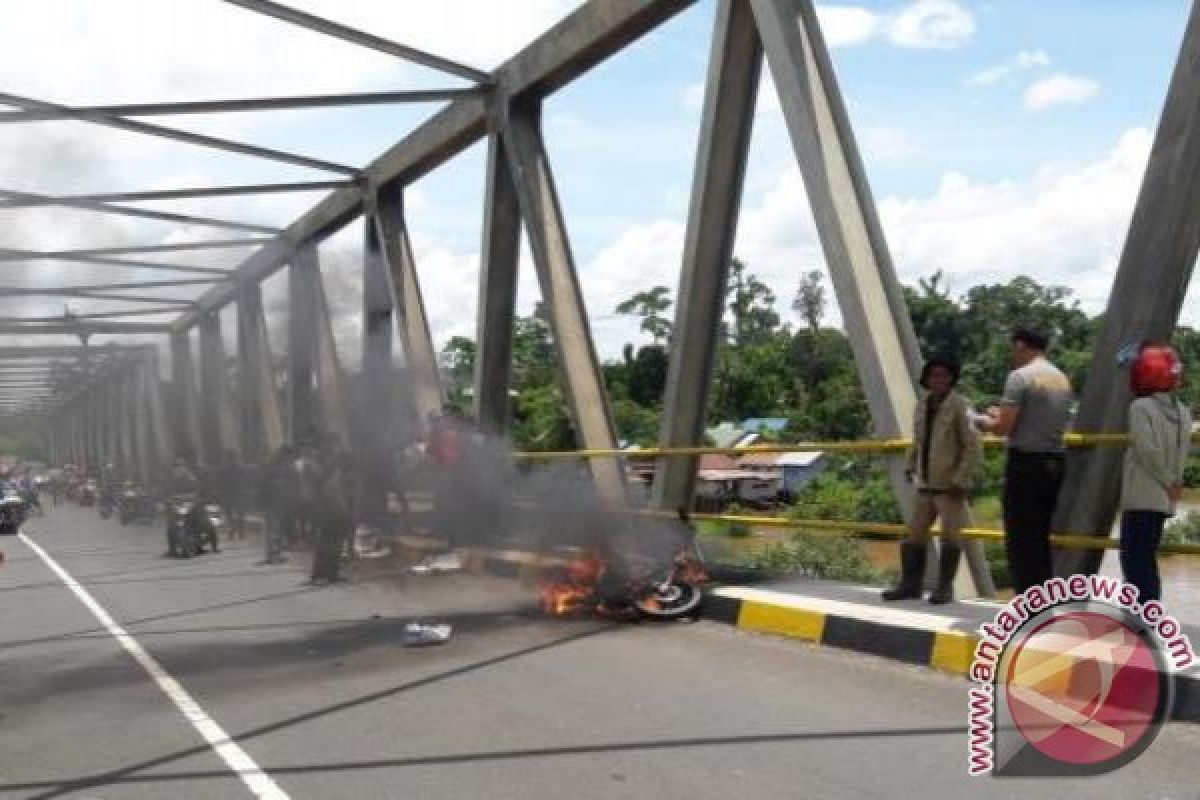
(1160, 429)
(954, 447)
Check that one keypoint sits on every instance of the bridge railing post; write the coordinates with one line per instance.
(185, 412)
(497, 292)
(871, 301)
(330, 380)
(735, 65)
(411, 321)
(261, 421)
(216, 426)
(583, 384)
(1145, 302)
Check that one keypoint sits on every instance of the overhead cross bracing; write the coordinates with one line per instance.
(246, 406)
(116, 301)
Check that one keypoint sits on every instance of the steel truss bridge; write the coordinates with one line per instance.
(97, 403)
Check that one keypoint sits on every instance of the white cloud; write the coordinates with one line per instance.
(1064, 224)
(1032, 58)
(693, 95)
(149, 50)
(1023, 60)
(1058, 90)
(885, 143)
(923, 24)
(847, 25)
(932, 24)
(990, 76)
(144, 50)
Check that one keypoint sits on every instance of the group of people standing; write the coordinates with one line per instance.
(1033, 415)
(318, 490)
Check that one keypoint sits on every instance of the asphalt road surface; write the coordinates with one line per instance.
(323, 701)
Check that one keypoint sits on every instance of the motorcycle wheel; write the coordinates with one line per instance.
(670, 601)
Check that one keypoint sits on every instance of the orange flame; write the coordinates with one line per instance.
(572, 587)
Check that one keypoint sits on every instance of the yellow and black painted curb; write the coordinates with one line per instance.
(943, 649)
(950, 651)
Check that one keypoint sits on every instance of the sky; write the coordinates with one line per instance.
(1000, 138)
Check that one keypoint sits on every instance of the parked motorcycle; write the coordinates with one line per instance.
(106, 502)
(32, 503)
(12, 512)
(134, 505)
(189, 531)
(85, 494)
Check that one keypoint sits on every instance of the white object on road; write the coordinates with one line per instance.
(446, 562)
(258, 782)
(417, 634)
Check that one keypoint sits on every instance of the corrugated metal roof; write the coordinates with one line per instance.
(774, 424)
(780, 459)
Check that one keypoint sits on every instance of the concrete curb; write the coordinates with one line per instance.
(907, 636)
(913, 637)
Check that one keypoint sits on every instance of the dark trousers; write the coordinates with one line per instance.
(331, 531)
(280, 523)
(237, 515)
(1141, 533)
(1031, 484)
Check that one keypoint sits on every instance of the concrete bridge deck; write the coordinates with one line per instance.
(315, 687)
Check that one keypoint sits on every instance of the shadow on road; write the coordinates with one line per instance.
(157, 618)
(63, 786)
(127, 777)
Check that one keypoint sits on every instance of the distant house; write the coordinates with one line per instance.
(792, 470)
(727, 434)
(720, 480)
(768, 424)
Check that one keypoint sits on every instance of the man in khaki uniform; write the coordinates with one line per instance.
(942, 462)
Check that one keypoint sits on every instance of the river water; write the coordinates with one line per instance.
(1180, 578)
(1180, 574)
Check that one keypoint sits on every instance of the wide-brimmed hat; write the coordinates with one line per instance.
(946, 363)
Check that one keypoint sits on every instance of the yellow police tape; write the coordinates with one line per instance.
(841, 528)
(1073, 440)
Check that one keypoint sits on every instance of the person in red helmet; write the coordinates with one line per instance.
(1160, 428)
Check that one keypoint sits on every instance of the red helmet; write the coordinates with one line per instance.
(1157, 368)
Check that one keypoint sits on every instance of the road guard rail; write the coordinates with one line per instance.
(850, 528)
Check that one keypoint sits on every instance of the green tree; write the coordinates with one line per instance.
(751, 306)
(647, 376)
(458, 366)
(651, 306)
(939, 322)
(534, 361)
(809, 301)
(993, 311)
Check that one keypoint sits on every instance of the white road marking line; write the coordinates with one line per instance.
(258, 782)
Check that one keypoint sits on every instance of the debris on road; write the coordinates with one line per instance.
(417, 634)
(446, 562)
(369, 544)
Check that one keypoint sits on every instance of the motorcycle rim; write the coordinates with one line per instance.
(669, 601)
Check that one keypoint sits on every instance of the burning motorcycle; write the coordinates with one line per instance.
(637, 583)
(191, 529)
(134, 505)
